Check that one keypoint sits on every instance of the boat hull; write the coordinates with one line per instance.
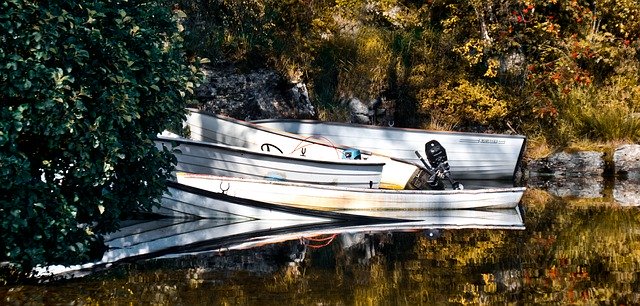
(184, 201)
(217, 159)
(353, 199)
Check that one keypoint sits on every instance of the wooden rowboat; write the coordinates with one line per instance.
(471, 155)
(355, 200)
(207, 127)
(219, 159)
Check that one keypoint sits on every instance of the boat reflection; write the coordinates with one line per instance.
(171, 237)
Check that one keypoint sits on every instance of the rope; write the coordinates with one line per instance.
(326, 241)
(308, 144)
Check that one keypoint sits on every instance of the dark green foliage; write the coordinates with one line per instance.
(84, 87)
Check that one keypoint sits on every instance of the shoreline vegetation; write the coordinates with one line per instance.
(565, 74)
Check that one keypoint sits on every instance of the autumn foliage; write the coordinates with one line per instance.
(564, 69)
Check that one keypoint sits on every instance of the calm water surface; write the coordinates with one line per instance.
(571, 251)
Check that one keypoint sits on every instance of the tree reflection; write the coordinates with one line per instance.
(588, 252)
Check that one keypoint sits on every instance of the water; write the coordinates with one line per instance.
(570, 251)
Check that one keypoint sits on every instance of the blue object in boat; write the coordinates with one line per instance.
(351, 154)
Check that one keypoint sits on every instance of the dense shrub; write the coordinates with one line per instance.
(84, 87)
(463, 104)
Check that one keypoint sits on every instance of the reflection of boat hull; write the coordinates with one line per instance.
(471, 155)
(158, 237)
(450, 219)
(210, 158)
(500, 219)
(396, 173)
(173, 237)
(360, 200)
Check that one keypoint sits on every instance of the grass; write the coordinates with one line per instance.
(334, 113)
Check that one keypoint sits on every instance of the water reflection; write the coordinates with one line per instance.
(570, 251)
(172, 237)
(627, 192)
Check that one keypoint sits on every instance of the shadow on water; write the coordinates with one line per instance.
(580, 247)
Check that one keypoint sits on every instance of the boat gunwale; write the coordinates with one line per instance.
(514, 189)
(376, 127)
(404, 129)
(298, 137)
(359, 162)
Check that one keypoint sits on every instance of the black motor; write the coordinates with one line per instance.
(436, 155)
(438, 166)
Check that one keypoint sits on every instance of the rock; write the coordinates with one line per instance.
(300, 98)
(359, 111)
(579, 164)
(513, 67)
(257, 94)
(626, 160)
(565, 174)
(378, 111)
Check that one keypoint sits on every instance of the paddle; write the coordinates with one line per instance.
(437, 155)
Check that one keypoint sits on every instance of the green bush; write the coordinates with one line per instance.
(84, 87)
(352, 66)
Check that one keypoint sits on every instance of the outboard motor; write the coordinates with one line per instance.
(436, 155)
(438, 166)
(351, 154)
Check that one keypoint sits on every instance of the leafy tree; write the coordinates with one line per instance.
(84, 87)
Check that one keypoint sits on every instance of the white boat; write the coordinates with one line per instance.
(219, 159)
(355, 200)
(206, 127)
(471, 155)
(183, 201)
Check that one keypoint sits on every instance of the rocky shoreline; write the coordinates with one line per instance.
(588, 174)
(625, 164)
